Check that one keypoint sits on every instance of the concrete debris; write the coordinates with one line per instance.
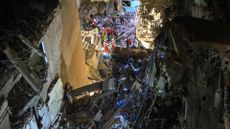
(156, 65)
(117, 96)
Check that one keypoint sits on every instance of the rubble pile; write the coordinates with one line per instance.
(182, 83)
(121, 101)
(117, 103)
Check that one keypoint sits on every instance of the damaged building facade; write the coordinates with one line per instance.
(191, 64)
(36, 60)
(114, 64)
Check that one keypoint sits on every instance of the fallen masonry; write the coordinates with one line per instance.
(114, 103)
(150, 64)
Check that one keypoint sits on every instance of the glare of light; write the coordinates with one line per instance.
(91, 93)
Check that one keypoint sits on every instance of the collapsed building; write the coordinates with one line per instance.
(31, 57)
(191, 57)
(176, 77)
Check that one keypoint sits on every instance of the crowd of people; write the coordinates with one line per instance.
(116, 29)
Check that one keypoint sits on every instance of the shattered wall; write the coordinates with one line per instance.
(24, 27)
(190, 53)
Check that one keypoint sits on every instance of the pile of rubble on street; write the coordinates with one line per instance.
(113, 103)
